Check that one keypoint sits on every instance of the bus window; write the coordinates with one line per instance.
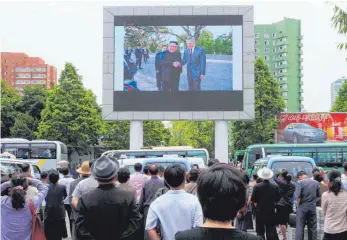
(43, 150)
(344, 154)
(20, 150)
(179, 153)
(253, 155)
(135, 154)
(304, 152)
(155, 154)
(197, 153)
(328, 156)
(281, 151)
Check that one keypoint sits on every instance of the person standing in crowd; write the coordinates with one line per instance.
(195, 58)
(323, 187)
(170, 68)
(148, 192)
(84, 172)
(145, 55)
(66, 181)
(176, 210)
(31, 191)
(55, 226)
(161, 171)
(138, 56)
(16, 217)
(314, 171)
(107, 212)
(244, 219)
(146, 172)
(334, 207)
(344, 176)
(138, 180)
(265, 196)
(158, 68)
(220, 185)
(307, 193)
(191, 187)
(123, 179)
(44, 180)
(285, 204)
(212, 162)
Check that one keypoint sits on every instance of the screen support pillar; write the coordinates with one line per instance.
(136, 135)
(221, 141)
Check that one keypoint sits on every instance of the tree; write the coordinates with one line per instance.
(206, 41)
(199, 134)
(71, 114)
(10, 106)
(268, 104)
(341, 99)
(339, 21)
(24, 127)
(116, 134)
(155, 134)
(33, 101)
(223, 44)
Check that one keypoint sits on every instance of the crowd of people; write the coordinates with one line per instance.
(219, 202)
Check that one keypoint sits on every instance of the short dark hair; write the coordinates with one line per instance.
(161, 169)
(138, 167)
(255, 177)
(301, 173)
(146, 169)
(194, 174)
(153, 169)
(212, 161)
(335, 184)
(318, 177)
(175, 175)
(314, 170)
(44, 175)
(222, 185)
(53, 176)
(123, 175)
(285, 174)
(25, 167)
(345, 166)
(175, 42)
(64, 171)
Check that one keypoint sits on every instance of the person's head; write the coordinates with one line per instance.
(246, 178)
(212, 161)
(265, 173)
(259, 180)
(190, 42)
(17, 191)
(315, 170)
(175, 176)
(138, 167)
(301, 175)
(123, 175)
(84, 170)
(221, 185)
(53, 176)
(318, 177)
(285, 175)
(161, 171)
(105, 170)
(153, 170)
(335, 183)
(345, 167)
(255, 177)
(164, 48)
(173, 46)
(193, 175)
(25, 168)
(146, 170)
(44, 177)
(64, 171)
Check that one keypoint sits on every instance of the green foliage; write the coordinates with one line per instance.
(10, 106)
(206, 41)
(24, 127)
(71, 114)
(223, 44)
(341, 99)
(268, 104)
(155, 134)
(339, 21)
(33, 101)
(193, 133)
(116, 135)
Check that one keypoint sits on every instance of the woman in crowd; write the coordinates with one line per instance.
(244, 219)
(285, 205)
(16, 217)
(55, 226)
(193, 177)
(323, 187)
(222, 193)
(334, 207)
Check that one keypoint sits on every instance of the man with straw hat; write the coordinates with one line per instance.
(84, 172)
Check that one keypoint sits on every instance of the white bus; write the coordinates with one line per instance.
(181, 151)
(46, 154)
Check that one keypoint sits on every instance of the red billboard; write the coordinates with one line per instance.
(312, 127)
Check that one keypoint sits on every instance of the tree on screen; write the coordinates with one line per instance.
(71, 114)
(206, 41)
(268, 104)
(341, 99)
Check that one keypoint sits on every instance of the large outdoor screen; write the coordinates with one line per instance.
(178, 63)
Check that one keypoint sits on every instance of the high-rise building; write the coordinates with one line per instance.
(20, 70)
(280, 45)
(335, 87)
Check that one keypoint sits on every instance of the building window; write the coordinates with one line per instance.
(274, 50)
(256, 42)
(266, 50)
(255, 57)
(267, 43)
(281, 32)
(284, 62)
(266, 57)
(284, 70)
(283, 39)
(266, 35)
(22, 81)
(256, 50)
(23, 75)
(5, 73)
(274, 35)
(284, 94)
(38, 82)
(283, 79)
(31, 69)
(283, 54)
(256, 35)
(274, 73)
(283, 47)
(38, 75)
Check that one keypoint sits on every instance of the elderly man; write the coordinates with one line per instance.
(195, 58)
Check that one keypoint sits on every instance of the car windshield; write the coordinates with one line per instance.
(303, 125)
(9, 168)
(292, 167)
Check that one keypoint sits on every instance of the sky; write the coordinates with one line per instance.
(62, 32)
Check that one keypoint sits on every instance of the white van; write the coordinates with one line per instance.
(197, 162)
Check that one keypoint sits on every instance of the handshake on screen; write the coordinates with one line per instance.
(176, 64)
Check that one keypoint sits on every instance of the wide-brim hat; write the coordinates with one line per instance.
(105, 168)
(84, 169)
(265, 173)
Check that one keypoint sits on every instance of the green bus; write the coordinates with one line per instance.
(325, 155)
(239, 155)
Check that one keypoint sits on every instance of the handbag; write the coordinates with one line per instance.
(37, 232)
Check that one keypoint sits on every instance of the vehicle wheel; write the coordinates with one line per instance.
(295, 139)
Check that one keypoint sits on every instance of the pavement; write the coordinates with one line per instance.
(218, 76)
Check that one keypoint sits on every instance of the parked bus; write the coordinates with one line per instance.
(325, 155)
(46, 154)
(186, 152)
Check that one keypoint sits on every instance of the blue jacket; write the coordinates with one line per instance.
(196, 66)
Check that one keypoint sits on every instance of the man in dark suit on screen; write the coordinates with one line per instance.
(195, 58)
(138, 55)
(158, 67)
